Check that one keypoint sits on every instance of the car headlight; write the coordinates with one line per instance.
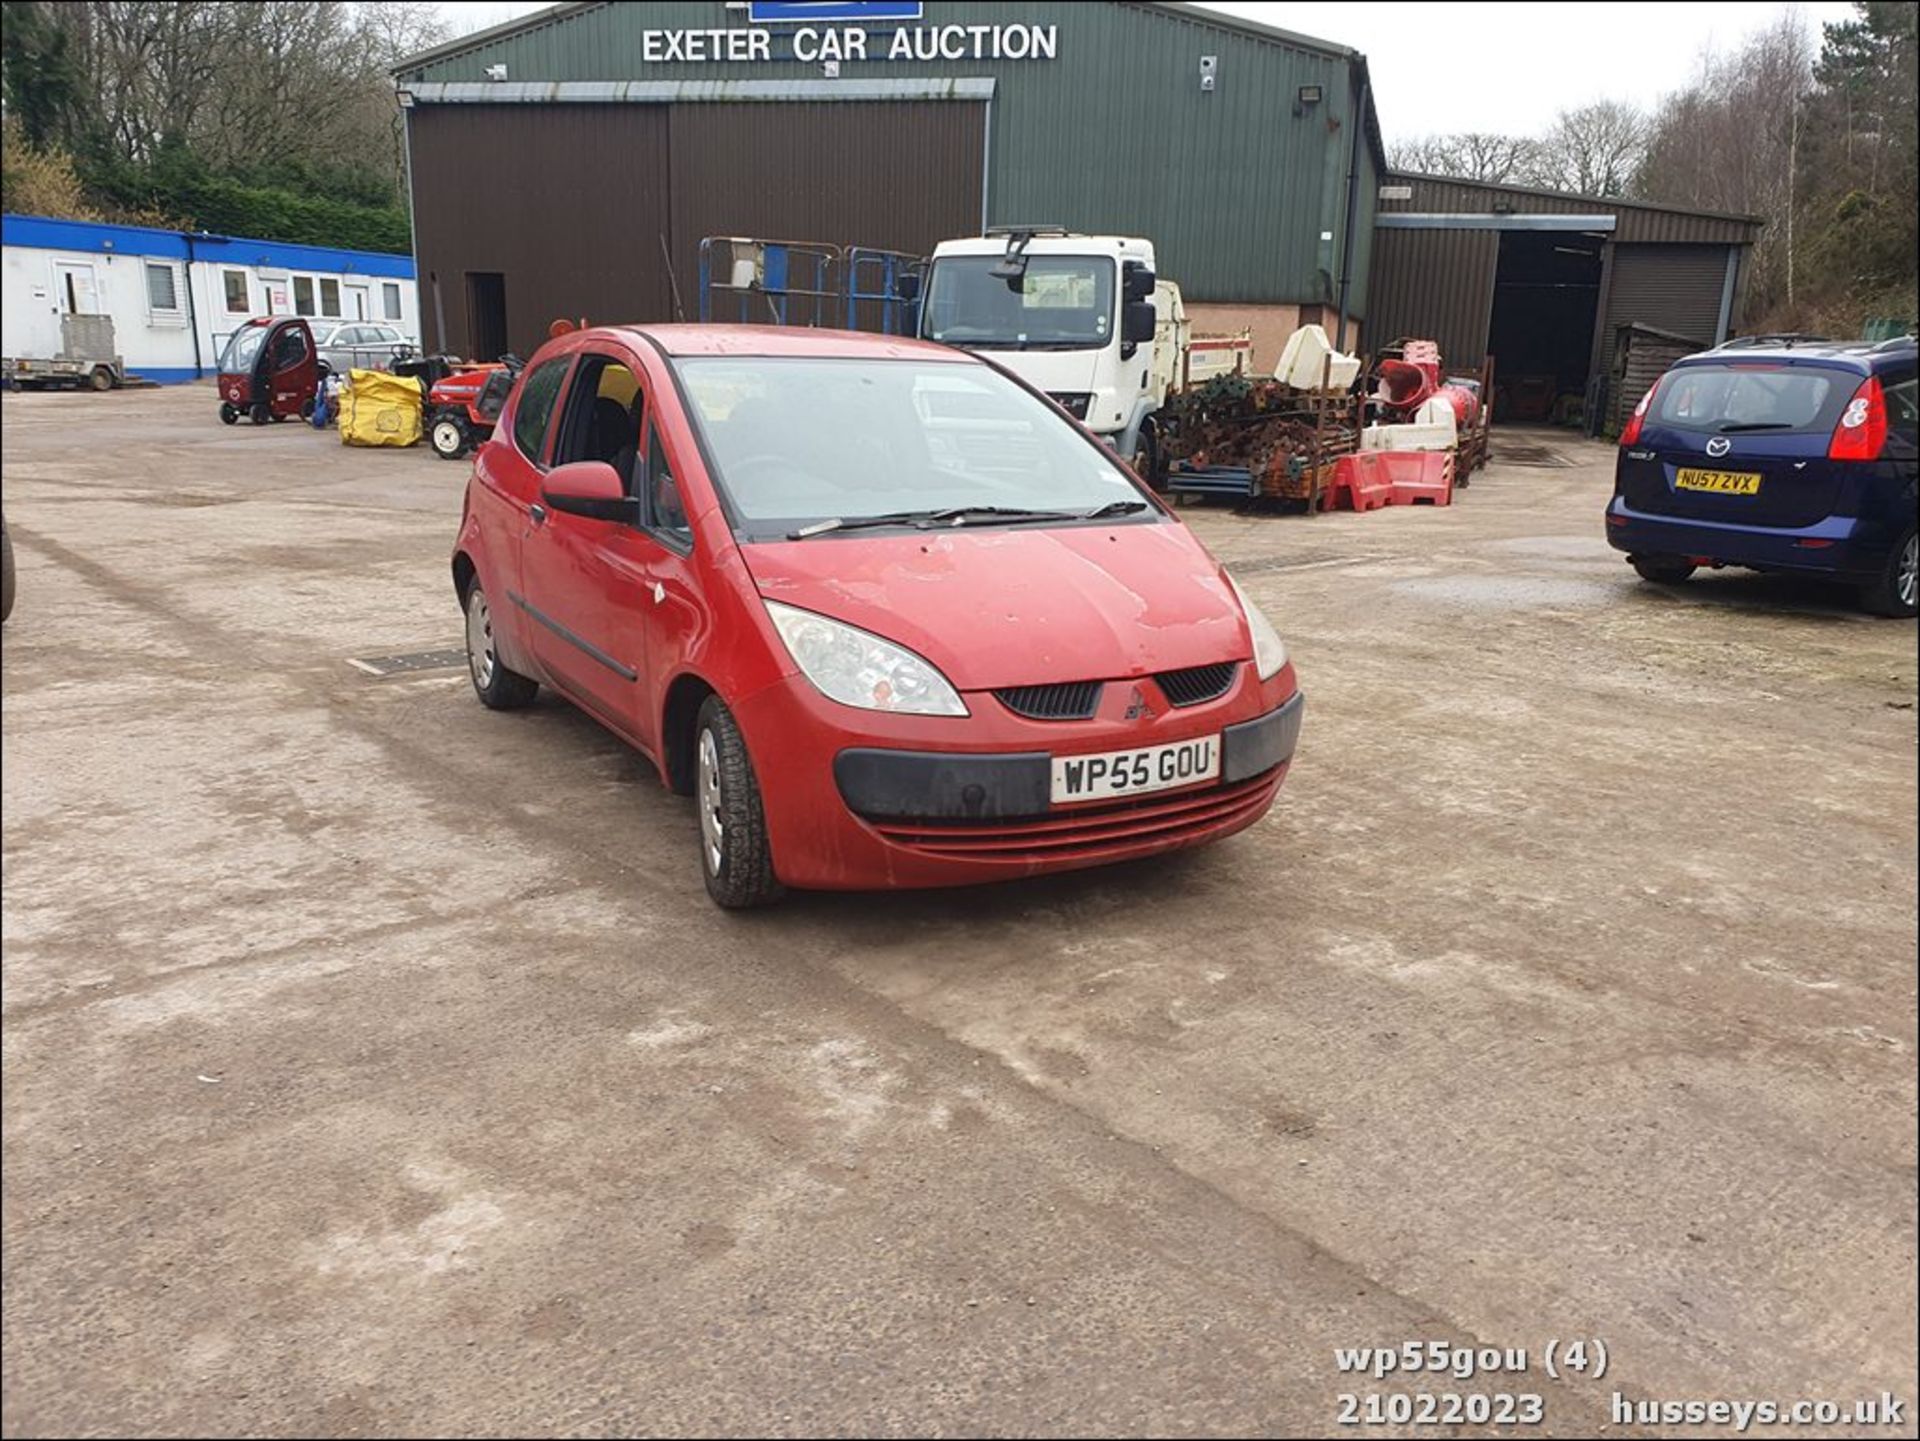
(1269, 651)
(857, 668)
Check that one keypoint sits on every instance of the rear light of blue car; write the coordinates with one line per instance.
(1863, 425)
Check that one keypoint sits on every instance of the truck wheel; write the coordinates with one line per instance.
(261, 414)
(228, 415)
(1662, 569)
(735, 856)
(1146, 455)
(1898, 586)
(101, 379)
(450, 437)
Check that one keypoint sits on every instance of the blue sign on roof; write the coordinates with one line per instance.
(89, 237)
(843, 12)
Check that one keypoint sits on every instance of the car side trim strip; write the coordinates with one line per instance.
(623, 671)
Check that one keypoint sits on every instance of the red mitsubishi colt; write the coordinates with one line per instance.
(889, 616)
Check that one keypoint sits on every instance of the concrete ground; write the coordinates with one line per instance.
(375, 1063)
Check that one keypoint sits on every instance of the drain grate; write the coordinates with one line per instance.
(385, 667)
(1537, 455)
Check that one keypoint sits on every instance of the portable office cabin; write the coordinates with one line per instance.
(1545, 281)
(569, 163)
(174, 296)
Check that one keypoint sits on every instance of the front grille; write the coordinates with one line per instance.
(1073, 700)
(1196, 683)
(1074, 402)
(1094, 832)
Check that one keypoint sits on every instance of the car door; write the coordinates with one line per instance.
(586, 582)
(507, 472)
(675, 609)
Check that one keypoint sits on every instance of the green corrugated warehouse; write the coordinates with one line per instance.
(560, 162)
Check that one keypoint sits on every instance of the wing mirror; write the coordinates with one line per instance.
(1137, 322)
(1139, 281)
(590, 488)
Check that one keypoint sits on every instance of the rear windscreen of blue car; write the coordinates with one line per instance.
(1753, 397)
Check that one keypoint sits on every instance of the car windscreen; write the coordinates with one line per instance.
(1757, 397)
(798, 441)
(1062, 302)
(242, 349)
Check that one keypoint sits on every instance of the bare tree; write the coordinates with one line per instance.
(1592, 150)
(1470, 155)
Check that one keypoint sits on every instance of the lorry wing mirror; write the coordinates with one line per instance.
(1137, 322)
(907, 287)
(1139, 281)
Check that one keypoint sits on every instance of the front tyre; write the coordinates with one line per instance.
(497, 687)
(1662, 569)
(1896, 589)
(450, 437)
(228, 415)
(735, 857)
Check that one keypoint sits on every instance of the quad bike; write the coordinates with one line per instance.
(269, 371)
(463, 406)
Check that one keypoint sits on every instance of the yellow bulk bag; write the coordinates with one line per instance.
(380, 409)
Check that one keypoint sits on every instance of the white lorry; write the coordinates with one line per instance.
(1084, 318)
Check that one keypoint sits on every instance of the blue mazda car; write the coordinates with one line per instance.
(1777, 453)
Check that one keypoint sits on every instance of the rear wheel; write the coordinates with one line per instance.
(260, 414)
(497, 687)
(228, 415)
(735, 856)
(1662, 569)
(101, 379)
(1898, 586)
(450, 437)
(6, 573)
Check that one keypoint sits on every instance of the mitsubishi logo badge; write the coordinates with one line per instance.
(1137, 706)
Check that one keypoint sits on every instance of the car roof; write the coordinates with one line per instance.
(790, 341)
(1863, 356)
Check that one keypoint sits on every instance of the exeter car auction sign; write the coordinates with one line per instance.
(847, 31)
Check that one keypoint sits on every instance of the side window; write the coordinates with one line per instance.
(535, 407)
(665, 511)
(1903, 417)
(601, 420)
(303, 295)
(390, 299)
(290, 348)
(234, 285)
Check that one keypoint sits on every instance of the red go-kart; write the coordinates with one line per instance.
(269, 370)
(462, 407)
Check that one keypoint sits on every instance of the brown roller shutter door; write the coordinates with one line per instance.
(1676, 288)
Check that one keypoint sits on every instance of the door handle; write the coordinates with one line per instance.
(537, 514)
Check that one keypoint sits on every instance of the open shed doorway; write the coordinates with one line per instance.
(1546, 301)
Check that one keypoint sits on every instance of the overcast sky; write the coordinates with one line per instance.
(1468, 66)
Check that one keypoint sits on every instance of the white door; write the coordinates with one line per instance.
(357, 305)
(74, 292)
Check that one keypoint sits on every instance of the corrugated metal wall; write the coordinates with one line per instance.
(1635, 224)
(597, 189)
(1670, 287)
(1436, 284)
(493, 186)
(1113, 135)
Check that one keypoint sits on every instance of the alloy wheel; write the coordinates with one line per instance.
(713, 827)
(480, 639)
(1910, 570)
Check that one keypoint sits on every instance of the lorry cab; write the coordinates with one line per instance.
(1076, 316)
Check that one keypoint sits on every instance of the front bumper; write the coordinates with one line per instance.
(1835, 545)
(856, 800)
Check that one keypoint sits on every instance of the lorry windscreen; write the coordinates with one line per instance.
(1061, 302)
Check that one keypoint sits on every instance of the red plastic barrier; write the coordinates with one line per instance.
(1418, 477)
(1360, 482)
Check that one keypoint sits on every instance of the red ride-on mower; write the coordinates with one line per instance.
(462, 408)
(269, 370)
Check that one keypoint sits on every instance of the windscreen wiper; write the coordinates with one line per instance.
(958, 515)
(858, 522)
(1114, 507)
